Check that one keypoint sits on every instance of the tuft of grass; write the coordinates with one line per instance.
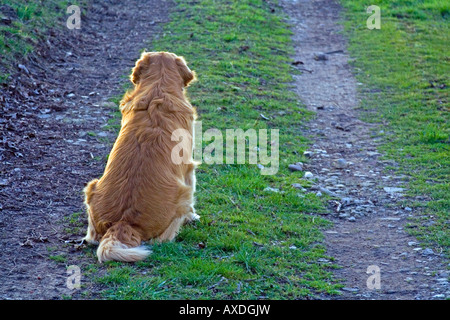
(58, 258)
(404, 68)
(75, 223)
(250, 243)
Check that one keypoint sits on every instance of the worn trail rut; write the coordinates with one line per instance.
(369, 233)
(58, 140)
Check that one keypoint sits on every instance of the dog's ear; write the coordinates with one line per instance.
(186, 74)
(142, 64)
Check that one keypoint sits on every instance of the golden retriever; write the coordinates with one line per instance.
(143, 195)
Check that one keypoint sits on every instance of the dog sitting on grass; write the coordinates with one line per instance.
(143, 195)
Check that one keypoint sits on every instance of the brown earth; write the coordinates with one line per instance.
(54, 140)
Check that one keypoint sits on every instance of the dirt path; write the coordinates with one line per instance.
(53, 140)
(57, 141)
(369, 223)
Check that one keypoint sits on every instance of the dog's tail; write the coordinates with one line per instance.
(121, 243)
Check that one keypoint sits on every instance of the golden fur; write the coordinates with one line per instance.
(142, 194)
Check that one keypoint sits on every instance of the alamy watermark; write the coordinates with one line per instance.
(374, 280)
(74, 20)
(73, 281)
(374, 21)
(262, 147)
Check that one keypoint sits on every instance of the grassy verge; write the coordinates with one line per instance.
(251, 243)
(23, 24)
(404, 69)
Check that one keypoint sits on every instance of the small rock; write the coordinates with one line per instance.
(27, 243)
(427, 252)
(23, 68)
(5, 20)
(439, 296)
(346, 201)
(372, 153)
(392, 189)
(260, 166)
(80, 142)
(4, 182)
(298, 186)
(390, 219)
(318, 194)
(71, 95)
(340, 163)
(308, 175)
(271, 189)
(328, 192)
(296, 167)
(350, 289)
(320, 56)
(429, 223)
(308, 154)
(292, 247)
(408, 209)
(352, 219)
(412, 243)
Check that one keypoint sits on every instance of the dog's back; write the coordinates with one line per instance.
(143, 195)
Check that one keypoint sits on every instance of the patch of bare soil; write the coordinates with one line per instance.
(53, 140)
(369, 233)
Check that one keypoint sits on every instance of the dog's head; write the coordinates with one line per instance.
(152, 65)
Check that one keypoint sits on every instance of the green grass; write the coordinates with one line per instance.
(28, 23)
(58, 258)
(404, 69)
(249, 243)
(75, 223)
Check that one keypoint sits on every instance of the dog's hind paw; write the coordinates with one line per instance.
(192, 217)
